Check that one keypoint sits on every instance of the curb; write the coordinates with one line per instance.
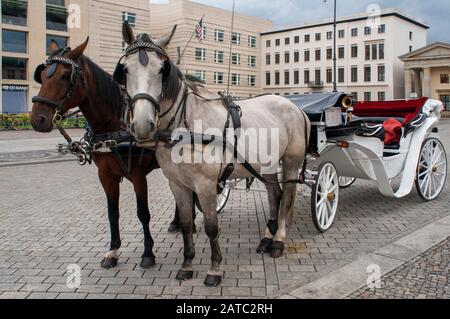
(344, 281)
(29, 163)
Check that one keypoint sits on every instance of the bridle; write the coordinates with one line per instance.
(141, 46)
(77, 73)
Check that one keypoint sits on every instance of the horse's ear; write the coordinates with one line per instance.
(119, 74)
(78, 51)
(165, 39)
(53, 47)
(127, 33)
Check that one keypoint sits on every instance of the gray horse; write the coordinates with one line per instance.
(163, 101)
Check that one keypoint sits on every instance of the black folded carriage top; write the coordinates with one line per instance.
(315, 104)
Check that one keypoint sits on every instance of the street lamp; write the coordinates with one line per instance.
(334, 48)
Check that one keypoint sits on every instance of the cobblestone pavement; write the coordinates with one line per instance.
(54, 215)
(426, 276)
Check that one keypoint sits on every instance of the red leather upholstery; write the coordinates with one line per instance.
(407, 109)
(393, 131)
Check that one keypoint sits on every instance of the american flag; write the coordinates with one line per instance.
(199, 30)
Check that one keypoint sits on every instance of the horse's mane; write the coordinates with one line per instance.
(106, 89)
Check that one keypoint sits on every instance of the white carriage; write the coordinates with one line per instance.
(377, 141)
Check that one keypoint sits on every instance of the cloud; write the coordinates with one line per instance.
(287, 12)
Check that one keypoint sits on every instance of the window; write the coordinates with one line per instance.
(219, 56)
(268, 44)
(219, 35)
(252, 61)
(306, 76)
(14, 41)
(14, 12)
(318, 76)
(410, 35)
(367, 74)
(307, 38)
(354, 74)
(367, 52)
(296, 39)
(218, 77)
(329, 53)
(381, 96)
(277, 42)
(235, 79)
(307, 56)
(287, 57)
(341, 75)
(296, 56)
(341, 52)
(130, 17)
(268, 59)
(62, 41)
(367, 96)
(286, 77)
(252, 41)
(236, 38)
(355, 95)
(410, 48)
(236, 59)
(200, 54)
(444, 98)
(287, 41)
(341, 34)
(381, 73)
(296, 77)
(329, 75)
(354, 51)
(14, 68)
(354, 32)
(277, 77)
(329, 35)
(251, 80)
(367, 30)
(381, 51)
(382, 28)
(445, 79)
(268, 78)
(318, 36)
(277, 58)
(56, 15)
(200, 74)
(15, 99)
(374, 51)
(317, 54)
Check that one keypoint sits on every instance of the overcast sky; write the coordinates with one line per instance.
(435, 13)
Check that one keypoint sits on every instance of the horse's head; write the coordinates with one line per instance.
(150, 79)
(62, 80)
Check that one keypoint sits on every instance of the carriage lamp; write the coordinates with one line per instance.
(343, 144)
(333, 117)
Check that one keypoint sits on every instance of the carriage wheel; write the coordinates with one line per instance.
(325, 197)
(345, 182)
(431, 170)
(222, 199)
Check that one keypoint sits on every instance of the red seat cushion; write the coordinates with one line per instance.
(398, 108)
(393, 131)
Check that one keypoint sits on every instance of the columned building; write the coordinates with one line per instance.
(427, 72)
(28, 26)
(209, 59)
(299, 59)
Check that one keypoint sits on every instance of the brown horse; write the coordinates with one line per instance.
(69, 80)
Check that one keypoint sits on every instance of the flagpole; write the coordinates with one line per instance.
(231, 47)
(190, 39)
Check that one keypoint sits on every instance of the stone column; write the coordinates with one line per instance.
(417, 85)
(408, 83)
(426, 82)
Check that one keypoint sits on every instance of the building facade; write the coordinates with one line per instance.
(427, 72)
(28, 27)
(299, 60)
(210, 59)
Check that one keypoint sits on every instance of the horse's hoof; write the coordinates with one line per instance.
(108, 263)
(147, 262)
(265, 246)
(184, 275)
(277, 249)
(213, 281)
(174, 228)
